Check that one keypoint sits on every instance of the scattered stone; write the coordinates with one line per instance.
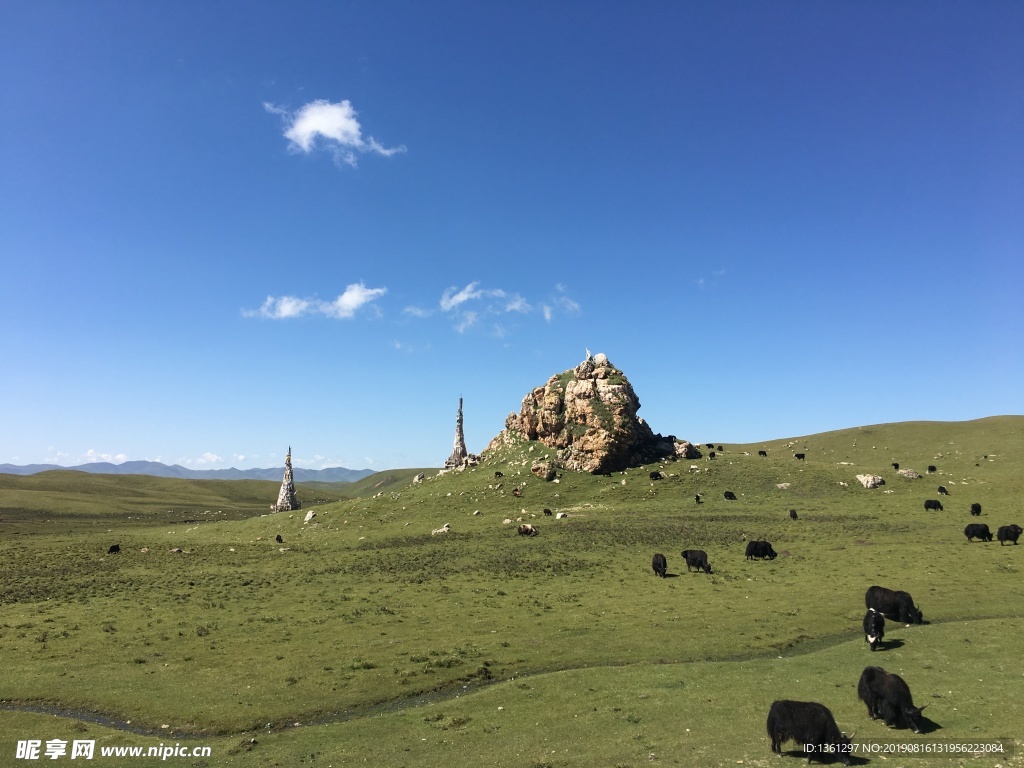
(909, 474)
(870, 481)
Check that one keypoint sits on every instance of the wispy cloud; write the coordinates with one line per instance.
(332, 125)
(417, 312)
(466, 320)
(356, 296)
(559, 302)
(703, 283)
(517, 303)
(452, 297)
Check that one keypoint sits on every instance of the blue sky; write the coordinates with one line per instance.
(229, 227)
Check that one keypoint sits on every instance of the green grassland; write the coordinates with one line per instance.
(362, 638)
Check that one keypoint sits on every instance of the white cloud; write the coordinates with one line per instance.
(278, 308)
(356, 296)
(547, 312)
(332, 125)
(91, 456)
(208, 458)
(417, 312)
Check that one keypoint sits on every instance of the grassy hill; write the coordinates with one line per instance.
(361, 637)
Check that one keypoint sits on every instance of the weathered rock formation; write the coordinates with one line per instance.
(588, 415)
(286, 500)
(909, 474)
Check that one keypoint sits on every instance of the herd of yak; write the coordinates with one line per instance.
(885, 694)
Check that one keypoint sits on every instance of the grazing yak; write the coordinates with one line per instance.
(279, 539)
(810, 724)
(977, 531)
(729, 496)
(528, 530)
(762, 453)
(887, 696)
(711, 454)
(659, 564)
(498, 474)
(547, 512)
(943, 491)
(116, 548)
(517, 492)
(874, 628)
(710, 445)
(896, 466)
(696, 558)
(792, 514)
(932, 504)
(800, 456)
(696, 498)
(895, 605)
(975, 509)
(656, 476)
(760, 549)
(931, 468)
(1009, 533)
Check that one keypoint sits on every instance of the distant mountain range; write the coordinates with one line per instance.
(155, 468)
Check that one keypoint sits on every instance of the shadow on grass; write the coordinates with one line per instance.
(890, 645)
(824, 759)
(928, 725)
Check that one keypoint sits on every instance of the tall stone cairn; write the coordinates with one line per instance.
(286, 500)
(460, 458)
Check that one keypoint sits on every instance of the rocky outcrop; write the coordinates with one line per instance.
(909, 474)
(588, 415)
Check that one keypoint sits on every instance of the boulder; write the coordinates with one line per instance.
(870, 481)
(909, 474)
(544, 471)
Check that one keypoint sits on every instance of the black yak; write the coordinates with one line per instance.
(887, 696)
(760, 549)
(874, 628)
(893, 604)
(977, 531)
(809, 724)
(659, 564)
(1008, 533)
(696, 558)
